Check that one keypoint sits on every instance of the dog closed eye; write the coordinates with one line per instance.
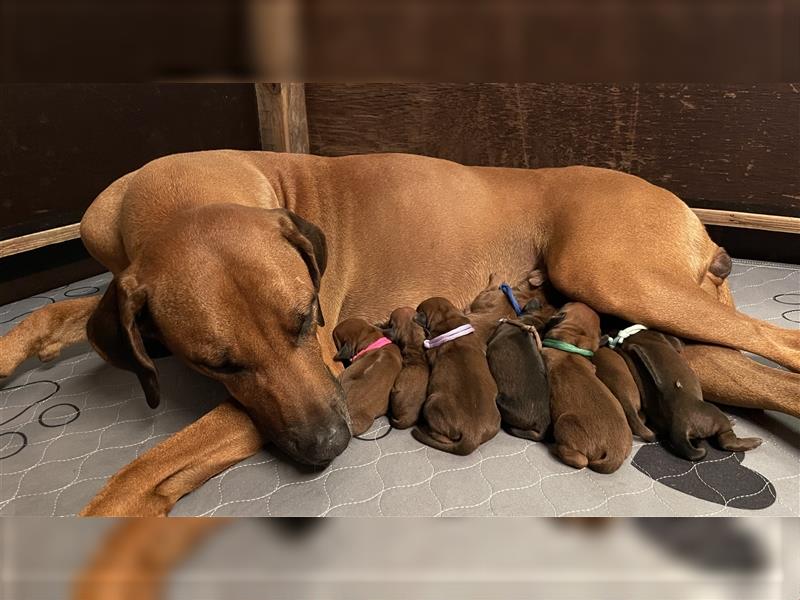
(227, 367)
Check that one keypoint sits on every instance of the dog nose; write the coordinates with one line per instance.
(328, 442)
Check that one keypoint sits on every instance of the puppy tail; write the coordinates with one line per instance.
(727, 440)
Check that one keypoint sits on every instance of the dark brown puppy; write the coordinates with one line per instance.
(589, 425)
(612, 370)
(460, 412)
(491, 304)
(368, 381)
(672, 398)
(410, 387)
(515, 359)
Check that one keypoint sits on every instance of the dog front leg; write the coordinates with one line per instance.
(134, 561)
(154, 482)
(45, 332)
(729, 377)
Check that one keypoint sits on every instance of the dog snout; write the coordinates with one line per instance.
(326, 442)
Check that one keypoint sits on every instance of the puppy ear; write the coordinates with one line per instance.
(310, 242)
(556, 319)
(649, 363)
(675, 342)
(114, 333)
(421, 319)
(345, 353)
(532, 305)
(537, 277)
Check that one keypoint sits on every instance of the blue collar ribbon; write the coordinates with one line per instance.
(506, 289)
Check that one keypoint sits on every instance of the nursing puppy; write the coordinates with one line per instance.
(459, 413)
(612, 370)
(589, 425)
(673, 400)
(514, 354)
(410, 387)
(492, 304)
(374, 367)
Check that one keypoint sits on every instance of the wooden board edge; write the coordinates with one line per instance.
(32, 241)
(730, 218)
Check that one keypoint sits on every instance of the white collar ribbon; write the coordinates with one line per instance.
(624, 334)
(448, 336)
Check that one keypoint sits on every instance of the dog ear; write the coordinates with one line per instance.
(310, 242)
(649, 363)
(537, 277)
(345, 353)
(421, 319)
(532, 306)
(114, 333)
(674, 342)
(556, 319)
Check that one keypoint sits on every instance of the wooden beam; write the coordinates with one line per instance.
(39, 239)
(282, 117)
(729, 218)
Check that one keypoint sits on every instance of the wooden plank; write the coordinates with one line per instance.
(728, 218)
(720, 146)
(282, 117)
(39, 239)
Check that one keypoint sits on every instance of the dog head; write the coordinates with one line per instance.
(403, 330)
(492, 300)
(657, 358)
(351, 336)
(438, 315)
(575, 324)
(234, 292)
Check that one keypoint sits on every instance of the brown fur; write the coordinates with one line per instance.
(410, 387)
(611, 369)
(368, 381)
(673, 400)
(589, 425)
(224, 272)
(459, 413)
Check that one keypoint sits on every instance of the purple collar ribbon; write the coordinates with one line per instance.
(448, 336)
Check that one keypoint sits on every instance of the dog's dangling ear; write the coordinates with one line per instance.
(421, 319)
(344, 354)
(556, 319)
(310, 242)
(114, 333)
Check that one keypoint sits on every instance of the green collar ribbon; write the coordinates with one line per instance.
(566, 347)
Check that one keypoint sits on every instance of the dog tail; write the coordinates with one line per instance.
(727, 440)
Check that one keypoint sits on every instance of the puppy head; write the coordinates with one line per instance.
(234, 292)
(492, 299)
(658, 355)
(575, 324)
(533, 313)
(353, 335)
(438, 315)
(403, 329)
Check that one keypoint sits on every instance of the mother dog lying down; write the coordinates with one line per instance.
(234, 260)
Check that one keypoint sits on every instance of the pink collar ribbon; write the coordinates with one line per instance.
(379, 343)
(448, 336)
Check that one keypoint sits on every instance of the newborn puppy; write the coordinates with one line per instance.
(589, 425)
(460, 412)
(672, 397)
(410, 387)
(612, 370)
(514, 354)
(492, 303)
(375, 364)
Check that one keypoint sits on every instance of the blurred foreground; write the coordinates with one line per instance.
(643, 559)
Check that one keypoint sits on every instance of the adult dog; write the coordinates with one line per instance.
(232, 259)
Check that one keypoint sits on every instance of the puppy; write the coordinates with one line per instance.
(589, 425)
(672, 398)
(460, 412)
(368, 380)
(410, 387)
(612, 370)
(515, 359)
(492, 303)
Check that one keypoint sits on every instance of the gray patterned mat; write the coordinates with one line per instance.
(76, 421)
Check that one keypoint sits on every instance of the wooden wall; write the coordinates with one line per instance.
(734, 147)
